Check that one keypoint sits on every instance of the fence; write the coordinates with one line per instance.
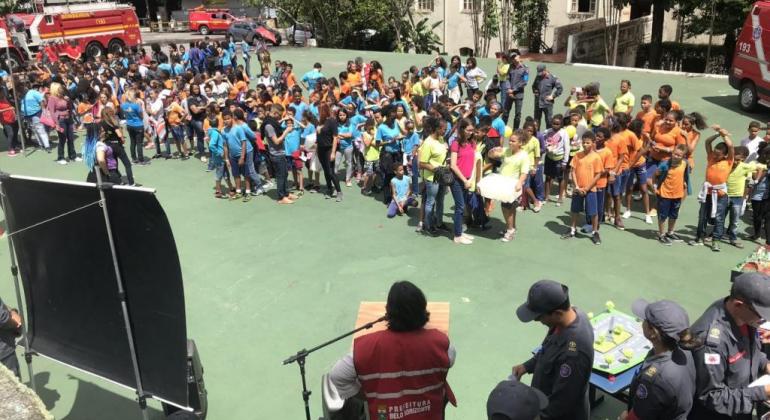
(676, 56)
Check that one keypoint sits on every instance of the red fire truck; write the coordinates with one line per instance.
(207, 21)
(96, 27)
(750, 71)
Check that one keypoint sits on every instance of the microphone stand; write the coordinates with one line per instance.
(301, 355)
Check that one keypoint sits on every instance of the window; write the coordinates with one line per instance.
(471, 5)
(583, 6)
(425, 5)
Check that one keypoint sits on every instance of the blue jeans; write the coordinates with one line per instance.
(197, 131)
(433, 196)
(136, 147)
(38, 130)
(536, 183)
(705, 214)
(458, 195)
(736, 205)
(66, 136)
(281, 174)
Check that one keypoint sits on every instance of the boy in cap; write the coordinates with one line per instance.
(562, 366)
(664, 386)
(512, 400)
(731, 357)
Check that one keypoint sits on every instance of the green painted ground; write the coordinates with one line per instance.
(263, 281)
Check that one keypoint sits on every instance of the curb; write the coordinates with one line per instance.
(651, 71)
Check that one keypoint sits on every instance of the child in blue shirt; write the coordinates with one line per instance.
(410, 144)
(291, 145)
(401, 187)
(217, 149)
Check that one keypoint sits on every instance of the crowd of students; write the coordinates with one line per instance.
(436, 128)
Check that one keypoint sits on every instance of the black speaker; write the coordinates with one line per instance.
(196, 389)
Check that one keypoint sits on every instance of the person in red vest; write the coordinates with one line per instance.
(401, 371)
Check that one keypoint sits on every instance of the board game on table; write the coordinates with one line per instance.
(619, 343)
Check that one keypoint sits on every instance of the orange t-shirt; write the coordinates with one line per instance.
(291, 80)
(690, 137)
(86, 110)
(618, 145)
(718, 171)
(673, 185)
(586, 166)
(648, 118)
(675, 105)
(354, 78)
(668, 139)
(175, 114)
(608, 161)
(345, 88)
(633, 152)
(633, 145)
(220, 123)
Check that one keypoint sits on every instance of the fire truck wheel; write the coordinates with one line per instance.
(204, 30)
(748, 96)
(94, 49)
(116, 46)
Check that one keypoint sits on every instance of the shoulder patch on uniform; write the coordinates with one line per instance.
(714, 332)
(565, 370)
(572, 346)
(711, 358)
(714, 337)
(651, 371)
(641, 392)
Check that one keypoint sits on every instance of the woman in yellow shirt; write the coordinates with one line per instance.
(433, 153)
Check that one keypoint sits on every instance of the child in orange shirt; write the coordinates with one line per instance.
(587, 168)
(175, 115)
(608, 177)
(647, 115)
(713, 195)
(672, 181)
(664, 92)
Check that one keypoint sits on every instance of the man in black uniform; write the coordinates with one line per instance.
(562, 366)
(518, 76)
(546, 89)
(731, 357)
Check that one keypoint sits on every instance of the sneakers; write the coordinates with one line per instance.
(663, 239)
(637, 196)
(558, 203)
(508, 235)
(78, 159)
(654, 212)
(569, 235)
(461, 240)
(246, 198)
(235, 196)
(648, 219)
(673, 237)
(619, 224)
(596, 239)
(268, 184)
(339, 197)
(626, 214)
(695, 242)
(736, 244)
(715, 246)
(538, 207)
(62, 161)
(469, 237)
(204, 159)
(12, 153)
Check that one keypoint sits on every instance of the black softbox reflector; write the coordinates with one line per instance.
(74, 313)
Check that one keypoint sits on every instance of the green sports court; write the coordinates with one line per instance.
(263, 281)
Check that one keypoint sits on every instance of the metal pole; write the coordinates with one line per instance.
(121, 293)
(19, 301)
(711, 35)
(617, 39)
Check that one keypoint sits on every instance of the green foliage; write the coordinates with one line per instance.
(729, 18)
(530, 18)
(421, 37)
(11, 6)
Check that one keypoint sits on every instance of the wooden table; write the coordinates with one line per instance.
(371, 311)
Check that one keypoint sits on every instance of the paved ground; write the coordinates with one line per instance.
(263, 281)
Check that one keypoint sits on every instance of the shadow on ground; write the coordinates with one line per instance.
(93, 402)
(730, 103)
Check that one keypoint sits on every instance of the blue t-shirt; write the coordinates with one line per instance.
(385, 133)
(31, 103)
(499, 126)
(401, 186)
(245, 49)
(310, 78)
(235, 137)
(373, 96)
(226, 60)
(132, 112)
(482, 111)
(441, 72)
(410, 142)
(453, 80)
(178, 69)
(310, 129)
(298, 109)
(357, 120)
(407, 110)
(346, 143)
(314, 110)
(291, 141)
(166, 67)
(357, 102)
(216, 146)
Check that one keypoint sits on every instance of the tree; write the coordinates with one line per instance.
(421, 37)
(529, 19)
(506, 24)
(728, 21)
(659, 8)
(485, 23)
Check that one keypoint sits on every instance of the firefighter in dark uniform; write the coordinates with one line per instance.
(562, 366)
(512, 400)
(663, 388)
(518, 76)
(731, 357)
(546, 89)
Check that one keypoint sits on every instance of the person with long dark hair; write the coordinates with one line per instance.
(432, 155)
(10, 124)
(328, 140)
(112, 137)
(133, 113)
